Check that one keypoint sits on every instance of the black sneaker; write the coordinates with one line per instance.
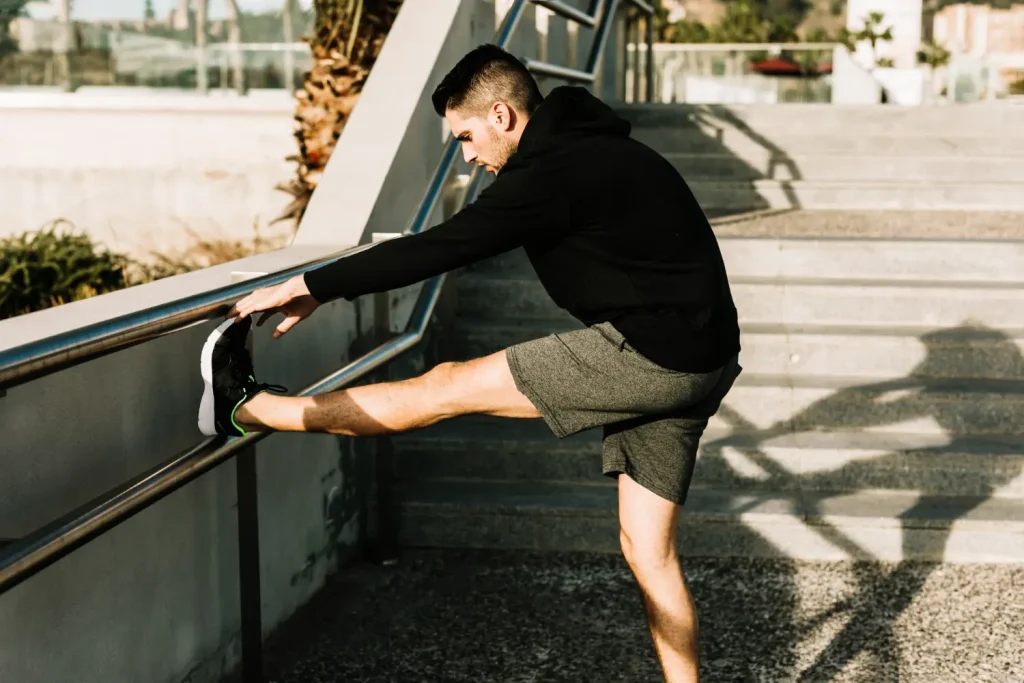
(227, 371)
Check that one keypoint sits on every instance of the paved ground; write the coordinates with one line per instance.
(876, 224)
(521, 617)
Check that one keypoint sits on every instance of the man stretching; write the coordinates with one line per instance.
(618, 240)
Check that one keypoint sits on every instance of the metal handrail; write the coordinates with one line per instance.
(600, 19)
(29, 555)
(58, 352)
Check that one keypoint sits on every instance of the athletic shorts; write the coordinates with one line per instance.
(653, 418)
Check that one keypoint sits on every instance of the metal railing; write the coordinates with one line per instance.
(22, 558)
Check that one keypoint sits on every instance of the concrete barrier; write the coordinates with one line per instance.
(73, 435)
(138, 173)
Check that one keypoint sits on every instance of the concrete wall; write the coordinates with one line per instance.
(156, 599)
(138, 171)
(851, 82)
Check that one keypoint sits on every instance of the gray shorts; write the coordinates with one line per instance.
(653, 418)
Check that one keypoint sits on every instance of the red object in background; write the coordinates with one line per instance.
(776, 66)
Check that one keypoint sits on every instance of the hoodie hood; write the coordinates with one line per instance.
(570, 110)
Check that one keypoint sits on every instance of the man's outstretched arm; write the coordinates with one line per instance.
(506, 215)
(501, 219)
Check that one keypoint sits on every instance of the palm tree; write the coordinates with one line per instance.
(202, 78)
(347, 38)
(234, 38)
(68, 44)
(288, 29)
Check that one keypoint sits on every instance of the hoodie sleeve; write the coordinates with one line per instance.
(508, 213)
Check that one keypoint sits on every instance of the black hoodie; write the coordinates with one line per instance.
(611, 228)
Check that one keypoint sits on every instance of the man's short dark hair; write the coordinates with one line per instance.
(487, 75)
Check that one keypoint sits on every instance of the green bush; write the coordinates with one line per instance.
(52, 267)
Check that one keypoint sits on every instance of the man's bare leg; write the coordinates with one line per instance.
(648, 536)
(484, 385)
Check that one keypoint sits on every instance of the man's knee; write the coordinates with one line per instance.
(441, 375)
(484, 385)
(647, 556)
(438, 385)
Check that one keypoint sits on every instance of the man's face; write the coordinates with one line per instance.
(486, 139)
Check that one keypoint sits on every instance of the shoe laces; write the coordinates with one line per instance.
(244, 374)
(263, 386)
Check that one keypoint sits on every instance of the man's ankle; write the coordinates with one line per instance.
(247, 414)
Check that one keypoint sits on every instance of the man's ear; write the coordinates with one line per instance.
(502, 116)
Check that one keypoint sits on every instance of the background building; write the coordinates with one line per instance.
(993, 36)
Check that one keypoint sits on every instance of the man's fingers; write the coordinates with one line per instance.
(268, 299)
(244, 307)
(286, 324)
(255, 303)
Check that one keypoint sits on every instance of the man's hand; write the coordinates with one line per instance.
(291, 298)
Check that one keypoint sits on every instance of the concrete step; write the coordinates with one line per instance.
(764, 405)
(492, 449)
(878, 228)
(780, 144)
(821, 351)
(1002, 118)
(950, 260)
(890, 526)
(834, 168)
(857, 195)
(770, 301)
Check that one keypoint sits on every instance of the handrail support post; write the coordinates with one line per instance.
(250, 593)
(384, 544)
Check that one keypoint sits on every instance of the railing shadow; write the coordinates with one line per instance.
(868, 627)
(713, 116)
(777, 157)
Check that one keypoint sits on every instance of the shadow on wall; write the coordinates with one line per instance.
(884, 592)
(732, 168)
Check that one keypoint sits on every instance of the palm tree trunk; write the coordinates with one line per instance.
(202, 80)
(347, 38)
(67, 44)
(235, 39)
(289, 37)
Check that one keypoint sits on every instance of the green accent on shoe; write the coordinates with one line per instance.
(238, 405)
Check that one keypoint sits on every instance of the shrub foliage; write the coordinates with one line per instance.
(54, 266)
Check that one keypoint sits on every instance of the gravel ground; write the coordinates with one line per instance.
(504, 617)
(883, 224)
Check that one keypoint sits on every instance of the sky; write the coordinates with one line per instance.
(89, 10)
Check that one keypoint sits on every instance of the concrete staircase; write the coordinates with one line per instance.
(879, 415)
(834, 157)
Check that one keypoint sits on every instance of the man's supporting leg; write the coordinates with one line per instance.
(484, 385)
(648, 536)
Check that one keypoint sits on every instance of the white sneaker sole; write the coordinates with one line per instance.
(207, 420)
